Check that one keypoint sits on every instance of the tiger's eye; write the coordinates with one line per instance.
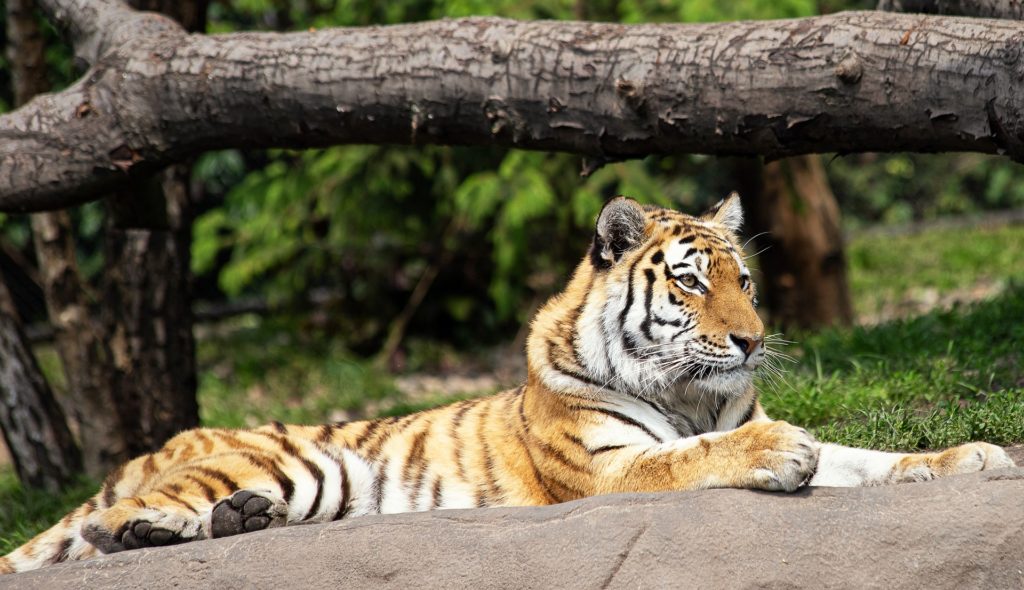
(688, 281)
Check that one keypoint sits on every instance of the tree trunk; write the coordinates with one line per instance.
(147, 311)
(79, 337)
(147, 303)
(35, 428)
(795, 217)
(44, 453)
(846, 82)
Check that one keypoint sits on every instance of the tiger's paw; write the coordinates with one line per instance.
(147, 527)
(781, 457)
(967, 458)
(246, 511)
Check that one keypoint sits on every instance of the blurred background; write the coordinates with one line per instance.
(358, 281)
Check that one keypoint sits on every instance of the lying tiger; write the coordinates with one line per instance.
(640, 380)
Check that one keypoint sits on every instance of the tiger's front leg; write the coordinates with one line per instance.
(840, 466)
(763, 454)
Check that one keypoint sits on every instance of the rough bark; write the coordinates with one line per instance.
(79, 338)
(147, 311)
(1010, 9)
(82, 344)
(791, 210)
(35, 428)
(147, 303)
(846, 82)
(38, 439)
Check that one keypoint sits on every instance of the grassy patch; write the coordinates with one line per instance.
(25, 513)
(262, 370)
(926, 382)
(888, 271)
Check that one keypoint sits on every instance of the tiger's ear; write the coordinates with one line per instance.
(728, 213)
(620, 228)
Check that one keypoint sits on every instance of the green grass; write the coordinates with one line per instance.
(932, 381)
(23, 513)
(927, 382)
(886, 270)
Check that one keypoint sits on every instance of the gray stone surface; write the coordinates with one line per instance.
(959, 532)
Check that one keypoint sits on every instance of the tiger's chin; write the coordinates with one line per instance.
(731, 382)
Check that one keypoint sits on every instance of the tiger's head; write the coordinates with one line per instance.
(662, 306)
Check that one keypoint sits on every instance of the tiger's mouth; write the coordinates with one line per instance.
(708, 371)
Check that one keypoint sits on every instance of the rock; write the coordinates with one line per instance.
(958, 532)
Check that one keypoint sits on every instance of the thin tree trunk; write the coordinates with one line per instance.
(79, 337)
(791, 210)
(38, 439)
(34, 425)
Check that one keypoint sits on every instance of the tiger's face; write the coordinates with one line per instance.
(687, 302)
(662, 307)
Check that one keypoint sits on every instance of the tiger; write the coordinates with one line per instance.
(640, 378)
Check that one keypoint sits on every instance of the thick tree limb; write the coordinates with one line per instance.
(845, 83)
(1009, 9)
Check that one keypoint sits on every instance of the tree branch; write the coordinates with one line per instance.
(1008, 9)
(96, 26)
(842, 83)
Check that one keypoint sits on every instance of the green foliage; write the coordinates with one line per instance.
(904, 187)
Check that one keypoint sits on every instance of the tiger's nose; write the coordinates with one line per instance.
(746, 343)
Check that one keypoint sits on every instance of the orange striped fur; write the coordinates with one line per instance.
(640, 379)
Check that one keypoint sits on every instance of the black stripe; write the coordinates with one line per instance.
(575, 440)
(62, 552)
(207, 443)
(346, 491)
(313, 469)
(436, 494)
(414, 464)
(645, 326)
(279, 427)
(178, 500)
(621, 418)
(559, 456)
(454, 433)
(108, 495)
(536, 472)
(272, 468)
(485, 451)
(605, 449)
(367, 433)
(208, 492)
(378, 485)
(326, 433)
(220, 476)
(748, 414)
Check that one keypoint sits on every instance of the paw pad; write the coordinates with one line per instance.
(243, 512)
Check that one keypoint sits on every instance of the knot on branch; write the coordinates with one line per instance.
(850, 69)
(631, 93)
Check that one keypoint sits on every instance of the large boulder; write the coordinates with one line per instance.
(959, 532)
